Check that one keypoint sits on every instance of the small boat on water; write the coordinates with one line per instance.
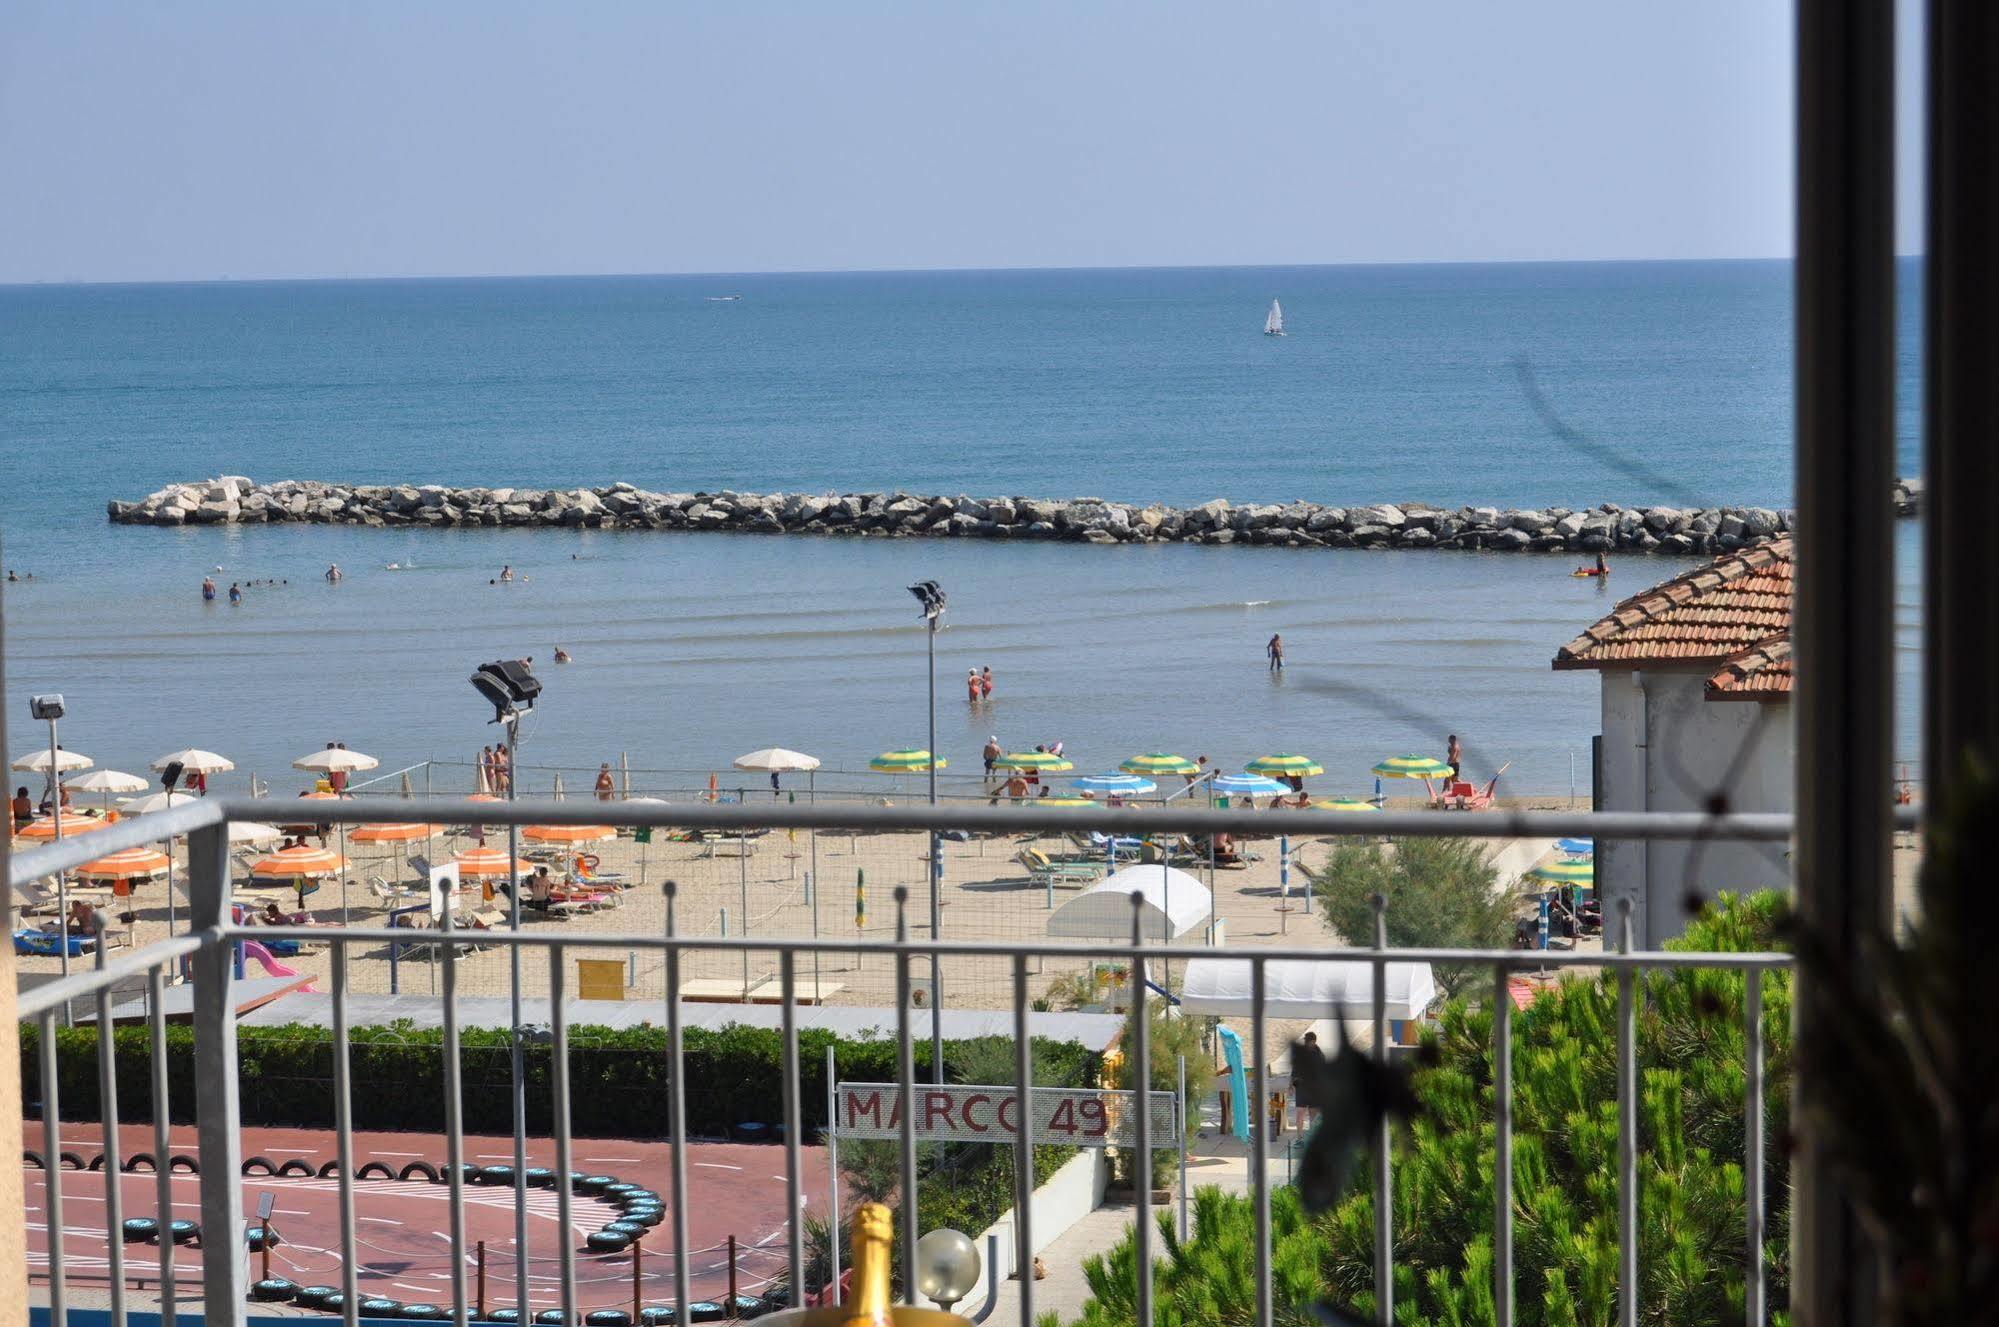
(722, 299)
(1273, 323)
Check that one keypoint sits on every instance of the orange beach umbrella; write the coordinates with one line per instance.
(290, 863)
(390, 833)
(72, 825)
(488, 861)
(569, 833)
(131, 864)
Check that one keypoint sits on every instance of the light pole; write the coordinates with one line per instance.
(50, 707)
(512, 690)
(932, 597)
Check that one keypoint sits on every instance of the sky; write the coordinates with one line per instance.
(202, 140)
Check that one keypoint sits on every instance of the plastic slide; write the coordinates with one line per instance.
(272, 968)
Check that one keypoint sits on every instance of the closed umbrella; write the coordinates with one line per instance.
(1159, 762)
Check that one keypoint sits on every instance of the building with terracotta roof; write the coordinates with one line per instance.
(1676, 665)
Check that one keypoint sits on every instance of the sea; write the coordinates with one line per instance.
(1507, 385)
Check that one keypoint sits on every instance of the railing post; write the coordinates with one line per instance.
(215, 1081)
(1627, 1129)
(1384, 1191)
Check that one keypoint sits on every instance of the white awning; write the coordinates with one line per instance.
(1175, 903)
(1295, 988)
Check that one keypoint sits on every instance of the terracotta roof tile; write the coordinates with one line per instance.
(1703, 617)
(1761, 672)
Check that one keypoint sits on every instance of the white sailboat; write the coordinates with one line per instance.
(1273, 324)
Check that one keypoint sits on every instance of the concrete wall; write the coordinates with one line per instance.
(1666, 747)
(1070, 1194)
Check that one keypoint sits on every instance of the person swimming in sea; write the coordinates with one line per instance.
(561, 655)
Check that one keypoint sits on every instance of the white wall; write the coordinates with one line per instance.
(1668, 748)
(1069, 1195)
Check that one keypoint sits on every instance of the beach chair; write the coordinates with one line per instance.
(1462, 795)
(36, 899)
(421, 865)
(1045, 870)
(394, 895)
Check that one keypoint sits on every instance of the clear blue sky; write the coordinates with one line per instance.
(193, 140)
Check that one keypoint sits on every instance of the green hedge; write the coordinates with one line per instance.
(618, 1077)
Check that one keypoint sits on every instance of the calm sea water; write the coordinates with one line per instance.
(1395, 383)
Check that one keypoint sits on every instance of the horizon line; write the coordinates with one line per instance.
(890, 271)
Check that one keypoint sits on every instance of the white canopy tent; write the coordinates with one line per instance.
(1298, 988)
(1175, 904)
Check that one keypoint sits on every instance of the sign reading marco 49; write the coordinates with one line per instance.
(1077, 1117)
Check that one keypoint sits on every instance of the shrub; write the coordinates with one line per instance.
(1442, 894)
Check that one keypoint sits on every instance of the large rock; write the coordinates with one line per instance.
(1385, 515)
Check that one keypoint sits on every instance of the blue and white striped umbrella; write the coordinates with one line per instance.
(1115, 785)
(1247, 785)
(1577, 847)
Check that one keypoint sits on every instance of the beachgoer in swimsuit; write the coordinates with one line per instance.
(333, 573)
(235, 593)
(1275, 651)
(1454, 756)
(972, 692)
(207, 589)
(986, 682)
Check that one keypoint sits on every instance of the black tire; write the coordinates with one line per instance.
(331, 1170)
(70, 1160)
(33, 1158)
(259, 1166)
(182, 1163)
(274, 1291)
(295, 1166)
(97, 1162)
(374, 1306)
(423, 1168)
(607, 1318)
(141, 1228)
(314, 1297)
(606, 1241)
(374, 1170)
(138, 1159)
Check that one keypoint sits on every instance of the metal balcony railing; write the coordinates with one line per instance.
(207, 952)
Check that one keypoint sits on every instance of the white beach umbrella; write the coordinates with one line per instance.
(38, 761)
(196, 761)
(335, 758)
(249, 831)
(108, 781)
(777, 760)
(140, 806)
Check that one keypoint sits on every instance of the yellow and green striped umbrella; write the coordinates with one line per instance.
(909, 760)
(1566, 873)
(1060, 801)
(1283, 766)
(1412, 767)
(1159, 762)
(1345, 804)
(1045, 761)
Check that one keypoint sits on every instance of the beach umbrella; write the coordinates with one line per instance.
(909, 760)
(777, 760)
(1346, 804)
(131, 864)
(196, 761)
(1565, 873)
(295, 863)
(107, 782)
(161, 801)
(1159, 762)
(390, 833)
(1060, 801)
(1285, 766)
(249, 831)
(1117, 785)
(1045, 762)
(1413, 767)
(1247, 785)
(1577, 847)
(37, 762)
(489, 861)
(569, 833)
(72, 825)
(336, 758)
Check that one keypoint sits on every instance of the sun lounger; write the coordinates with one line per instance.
(1043, 869)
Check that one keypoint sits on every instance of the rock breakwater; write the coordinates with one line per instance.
(234, 500)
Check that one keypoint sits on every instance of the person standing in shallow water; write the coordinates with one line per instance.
(1275, 651)
(972, 690)
(986, 682)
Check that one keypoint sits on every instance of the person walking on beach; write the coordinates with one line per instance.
(986, 682)
(208, 589)
(605, 786)
(1275, 651)
(1454, 756)
(972, 690)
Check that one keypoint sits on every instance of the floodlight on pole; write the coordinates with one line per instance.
(49, 707)
(931, 596)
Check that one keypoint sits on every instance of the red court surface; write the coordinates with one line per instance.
(403, 1229)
